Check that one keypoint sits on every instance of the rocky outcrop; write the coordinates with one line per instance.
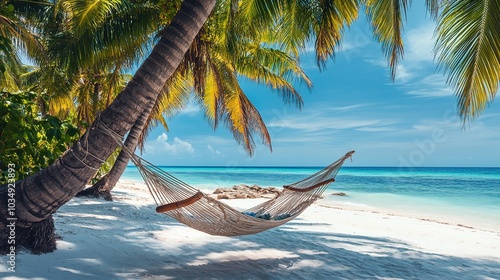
(245, 191)
(340, 194)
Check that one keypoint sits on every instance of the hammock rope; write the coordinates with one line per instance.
(197, 210)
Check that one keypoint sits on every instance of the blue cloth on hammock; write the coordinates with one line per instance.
(267, 216)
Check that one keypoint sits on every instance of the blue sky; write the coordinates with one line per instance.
(353, 105)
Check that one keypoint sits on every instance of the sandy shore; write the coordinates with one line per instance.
(126, 239)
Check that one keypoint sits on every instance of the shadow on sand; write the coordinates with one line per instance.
(116, 240)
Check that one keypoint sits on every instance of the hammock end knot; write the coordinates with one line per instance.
(349, 155)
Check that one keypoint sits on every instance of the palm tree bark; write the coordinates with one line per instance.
(104, 186)
(39, 196)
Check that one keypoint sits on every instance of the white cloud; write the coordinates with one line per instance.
(215, 140)
(191, 108)
(403, 74)
(439, 92)
(430, 125)
(412, 74)
(489, 116)
(418, 49)
(324, 136)
(309, 48)
(160, 144)
(420, 44)
(348, 107)
(376, 129)
(430, 86)
(213, 151)
(381, 62)
(353, 40)
(318, 122)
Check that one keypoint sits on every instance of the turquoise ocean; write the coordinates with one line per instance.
(456, 195)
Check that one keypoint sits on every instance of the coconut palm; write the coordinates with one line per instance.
(213, 65)
(15, 35)
(172, 98)
(89, 51)
(39, 196)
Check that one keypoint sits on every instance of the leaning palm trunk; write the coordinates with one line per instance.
(104, 186)
(39, 196)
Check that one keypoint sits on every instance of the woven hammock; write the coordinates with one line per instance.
(197, 210)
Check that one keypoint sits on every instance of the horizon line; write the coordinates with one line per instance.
(316, 166)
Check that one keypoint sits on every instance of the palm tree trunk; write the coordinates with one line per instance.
(40, 195)
(104, 186)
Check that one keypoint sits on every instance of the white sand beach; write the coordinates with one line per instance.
(126, 239)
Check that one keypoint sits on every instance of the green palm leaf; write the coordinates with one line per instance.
(104, 36)
(243, 119)
(260, 13)
(90, 14)
(386, 17)
(294, 26)
(468, 47)
(172, 99)
(333, 16)
(274, 68)
(16, 34)
(433, 7)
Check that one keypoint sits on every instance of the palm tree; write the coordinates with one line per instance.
(39, 196)
(213, 64)
(88, 52)
(173, 97)
(15, 34)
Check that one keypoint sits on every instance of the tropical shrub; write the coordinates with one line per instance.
(30, 140)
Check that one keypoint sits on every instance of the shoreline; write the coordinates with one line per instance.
(433, 220)
(126, 239)
(470, 222)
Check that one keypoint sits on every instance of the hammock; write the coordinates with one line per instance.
(197, 210)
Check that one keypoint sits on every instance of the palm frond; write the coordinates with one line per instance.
(333, 16)
(16, 24)
(10, 65)
(212, 95)
(433, 7)
(89, 15)
(386, 17)
(468, 47)
(125, 29)
(275, 69)
(173, 98)
(243, 119)
(294, 26)
(53, 82)
(112, 84)
(260, 13)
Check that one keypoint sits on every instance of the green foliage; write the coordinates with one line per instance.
(106, 166)
(468, 48)
(387, 17)
(27, 140)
